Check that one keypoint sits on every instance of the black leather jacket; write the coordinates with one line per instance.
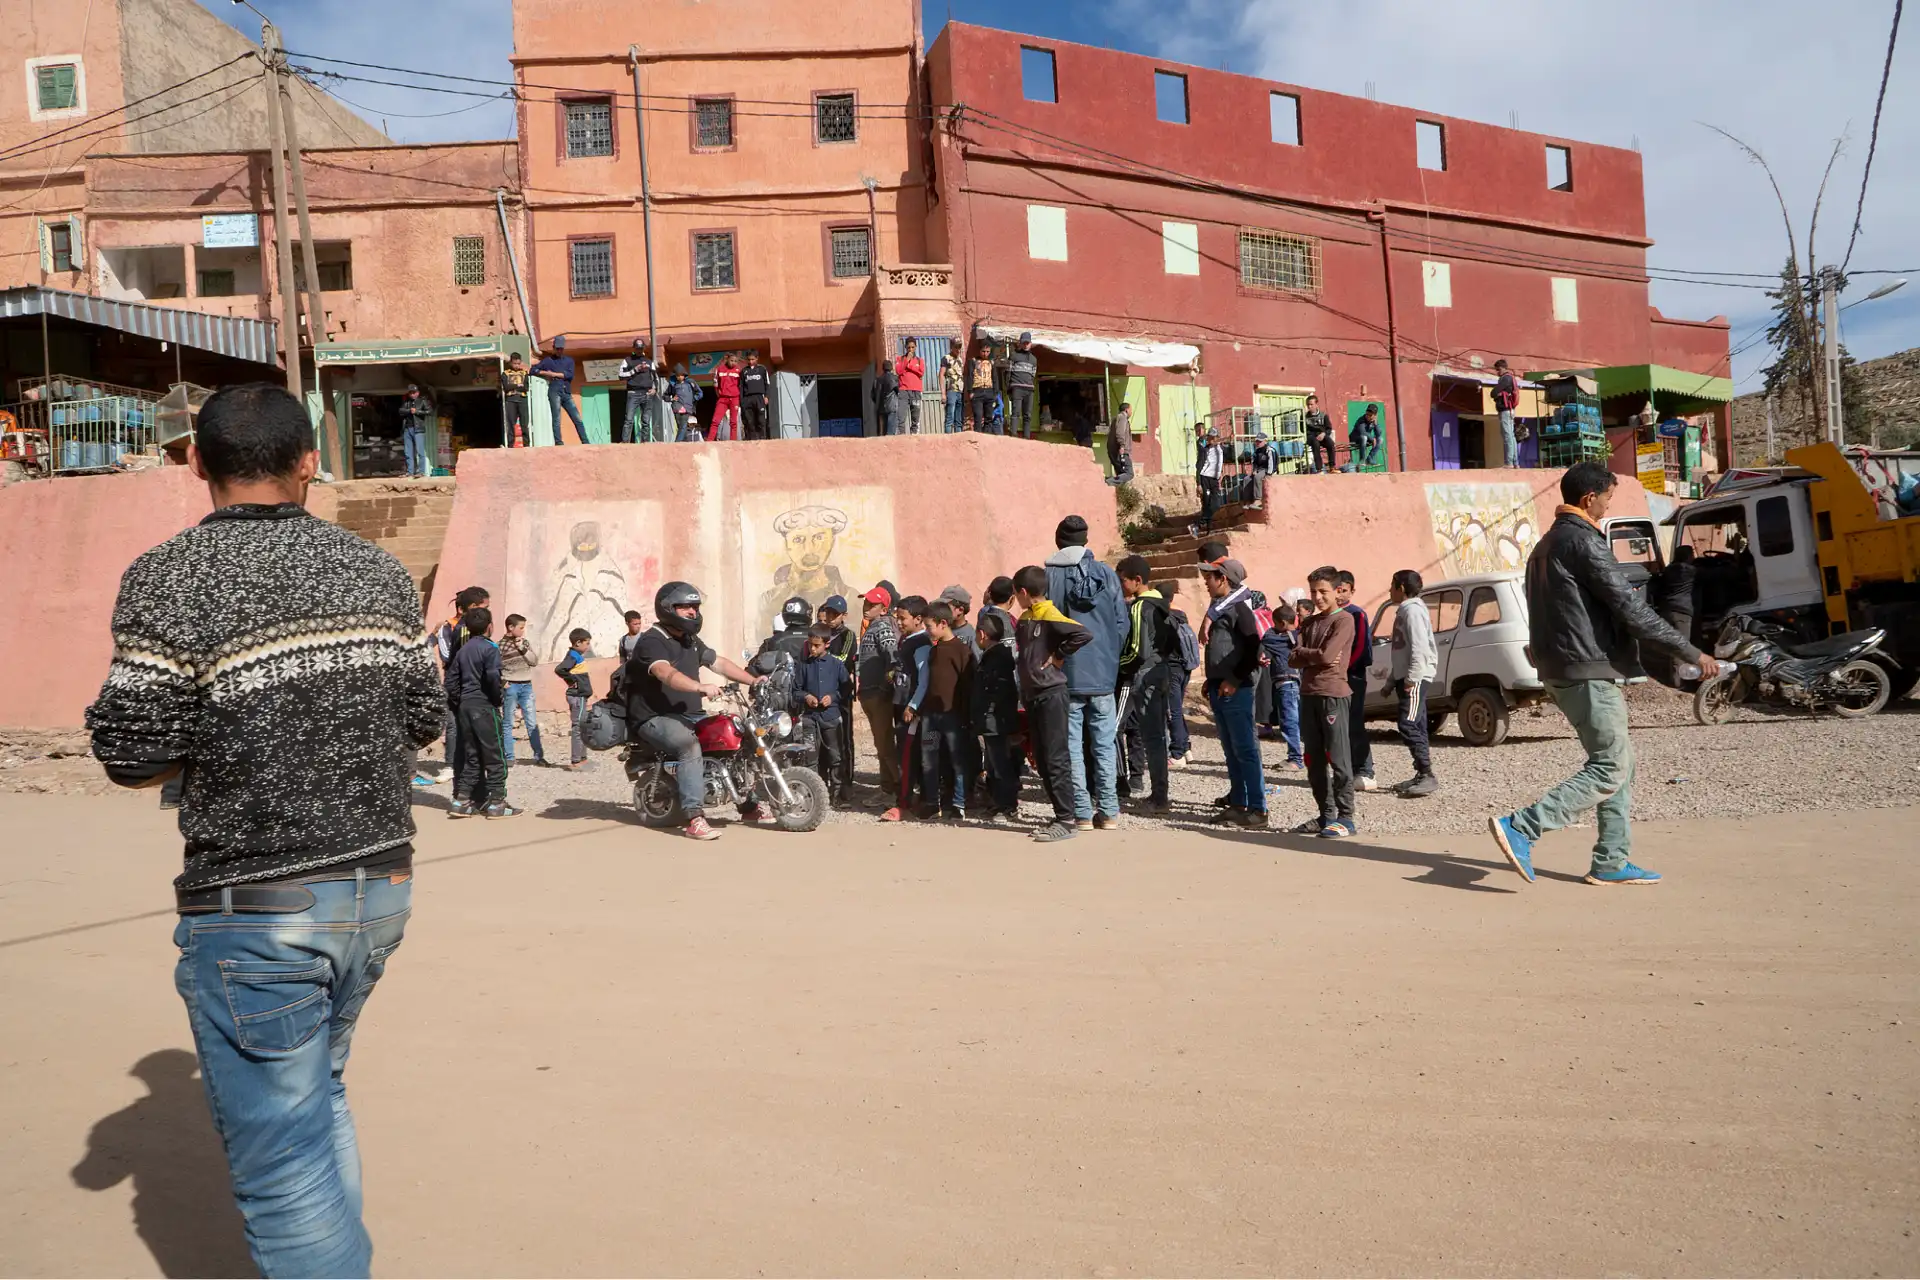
(1583, 616)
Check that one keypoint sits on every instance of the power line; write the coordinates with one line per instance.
(1873, 139)
(54, 137)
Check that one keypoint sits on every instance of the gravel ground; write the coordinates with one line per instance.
(1760, 763)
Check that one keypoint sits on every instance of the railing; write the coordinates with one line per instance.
(88, 426)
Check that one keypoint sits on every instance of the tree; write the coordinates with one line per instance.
(1797, 376)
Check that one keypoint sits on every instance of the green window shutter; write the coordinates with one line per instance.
(56, 87)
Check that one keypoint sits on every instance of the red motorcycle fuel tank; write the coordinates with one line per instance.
(718, 734)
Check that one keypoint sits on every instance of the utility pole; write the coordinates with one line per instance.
(282, 238)
(1830, 318)
(1393, 342)
(316, 307)
(646, 201)
(1769, 454)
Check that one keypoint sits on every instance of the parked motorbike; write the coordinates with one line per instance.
(756, 752)
(1759, 665)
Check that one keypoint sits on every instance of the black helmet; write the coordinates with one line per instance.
(796, 614)
(671, 596)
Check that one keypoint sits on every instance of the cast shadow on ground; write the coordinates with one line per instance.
(1443, 869)
(182, 1195)
(572, 807)
(425, 799)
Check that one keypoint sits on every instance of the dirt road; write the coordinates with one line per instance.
(883, 1051)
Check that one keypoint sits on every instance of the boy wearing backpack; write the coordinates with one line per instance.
(579, 687)
(1182, 663)
(1144, 667)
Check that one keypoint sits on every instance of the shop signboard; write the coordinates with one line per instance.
(701, 364)
(601, 370)
(1651, 464)
(230, 231)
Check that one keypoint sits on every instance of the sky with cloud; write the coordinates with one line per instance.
(1788, 76)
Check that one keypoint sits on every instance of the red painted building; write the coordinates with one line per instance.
(1303, 241)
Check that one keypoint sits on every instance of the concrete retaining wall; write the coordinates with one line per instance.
(63, 546)
(572, 537)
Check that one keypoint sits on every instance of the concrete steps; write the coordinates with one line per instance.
(406, 518)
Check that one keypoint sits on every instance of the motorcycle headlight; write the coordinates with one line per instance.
(782, 725)
(1726, 647)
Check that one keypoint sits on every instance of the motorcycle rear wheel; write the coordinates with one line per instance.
(1713, 701)
(1859, 689)
(810, 804)
(656, 801)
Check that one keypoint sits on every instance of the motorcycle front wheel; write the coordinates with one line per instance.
(1859, 689)
(1714, 700)
(809, 807)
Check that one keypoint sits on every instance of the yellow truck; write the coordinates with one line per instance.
(1812, 546)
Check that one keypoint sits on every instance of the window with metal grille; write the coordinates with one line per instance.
(713, 122)
(852, 252)
(1275, 260)
(713, 264)
(833, 118)
(215, 284)
(590, 265)
(60, 245)
(56, 87)
(589, 129)
(469, 260)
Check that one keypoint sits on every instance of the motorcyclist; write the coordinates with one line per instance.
(790, 637)
(664, 693)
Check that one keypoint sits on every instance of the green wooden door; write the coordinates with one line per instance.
(596, 411)
(1182, 408)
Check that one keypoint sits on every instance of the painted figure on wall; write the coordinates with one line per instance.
(580, 564)
(813, 545)
(1482, 528)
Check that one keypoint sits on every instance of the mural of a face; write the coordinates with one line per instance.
(580, 564)
(810, 547)
(812, 544)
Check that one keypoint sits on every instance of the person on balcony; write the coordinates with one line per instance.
(912, 372)
(557, 370)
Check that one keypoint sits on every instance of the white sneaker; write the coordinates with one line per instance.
(1365, 784)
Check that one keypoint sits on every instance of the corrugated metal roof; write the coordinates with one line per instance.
(255, 340)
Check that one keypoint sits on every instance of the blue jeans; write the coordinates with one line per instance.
(1597, 710)
(956, 413)
(1286, 697)
(1092, 713)
(672, 736)
(272, 1000)
(560, 398)
(414, 441)
(940, 741)
(520, 695)
(1507, 440)
(1233, 714)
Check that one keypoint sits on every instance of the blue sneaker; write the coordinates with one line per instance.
(1518, 848)
(1625, 873)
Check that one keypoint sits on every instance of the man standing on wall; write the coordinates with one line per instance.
(912, 372)
(642, 377)
(1506, 398)
(953, 386)
(1583, 621)
(726, 401)
(416, 411)
(557, 370)
(1023, 376)
(756, 390)
(277, 661)
(1319, 428)
(980, 384)
(1206, 477)
(513, 390)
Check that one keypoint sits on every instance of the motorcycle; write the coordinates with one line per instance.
(1759, 665)
(756, 752)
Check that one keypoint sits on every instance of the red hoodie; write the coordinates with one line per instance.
(726, 384)
(912, 372)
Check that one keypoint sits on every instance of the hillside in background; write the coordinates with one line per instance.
(1893, 388)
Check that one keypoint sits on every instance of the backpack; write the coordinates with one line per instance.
(1262, 620)
(604, 726)
(1189, 643)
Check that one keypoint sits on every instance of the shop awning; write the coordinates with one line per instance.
(242, 339)
(421, 350)
(1142, 352)
(1671, 390)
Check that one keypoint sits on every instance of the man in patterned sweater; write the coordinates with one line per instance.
(278, 664)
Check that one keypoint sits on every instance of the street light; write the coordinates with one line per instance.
(1892, 286)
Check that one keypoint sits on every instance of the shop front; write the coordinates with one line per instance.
(1084, 378)
(361, 386)
(1466, 425)
(1667, 427)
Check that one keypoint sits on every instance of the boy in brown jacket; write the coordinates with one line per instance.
(1321, 655)
(945, 714)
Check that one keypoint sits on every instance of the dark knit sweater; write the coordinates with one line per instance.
(282, 661)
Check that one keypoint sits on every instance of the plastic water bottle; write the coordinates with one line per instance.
(1687, 671)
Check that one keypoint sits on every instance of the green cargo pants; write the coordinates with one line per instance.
(1598, 712)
